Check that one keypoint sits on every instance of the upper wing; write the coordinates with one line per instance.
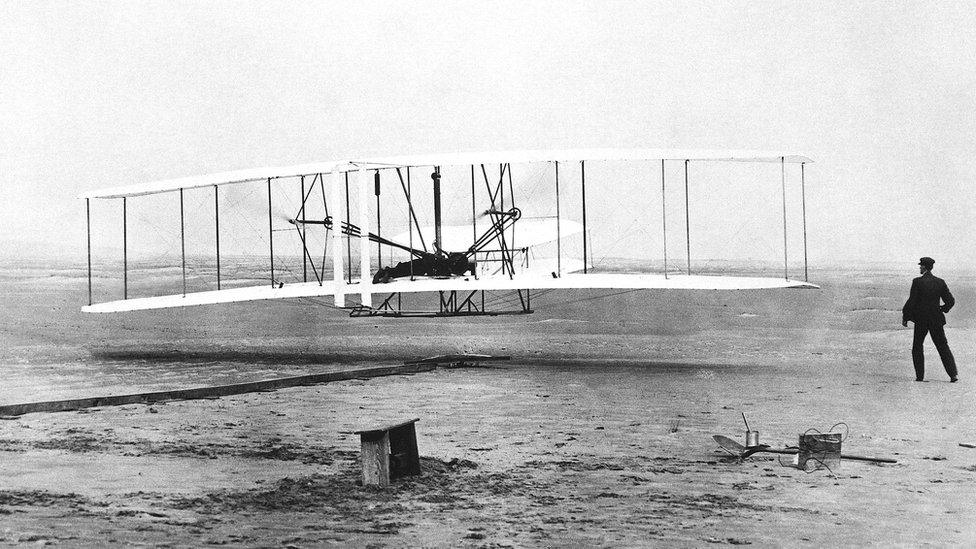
(446, 159)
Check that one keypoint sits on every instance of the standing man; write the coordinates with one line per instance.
(924, 310)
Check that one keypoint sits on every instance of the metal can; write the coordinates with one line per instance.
(752, 439)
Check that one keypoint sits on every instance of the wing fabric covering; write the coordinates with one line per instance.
(446, 159)
(595, 281)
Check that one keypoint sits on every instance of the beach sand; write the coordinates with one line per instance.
(598, 432)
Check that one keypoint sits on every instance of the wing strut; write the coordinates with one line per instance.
(379, 232)
(583, 191)
(365, 281)
(687, 221)
(348, 239)
(301, 222)
(308, 256)
(125, 252)
(217, 232)
(511, 192)
(270, 235)
(803, 197)
(559, 253)
(497, 213)
(88, 226)
(501, 185)
(182, 242)
(664, 220)
(438, 243)
(410, 211)
(474, 215)
(498, 194)
(786, 268)
(325, 204)
(411, 214)
(301, 231)
(337, 277)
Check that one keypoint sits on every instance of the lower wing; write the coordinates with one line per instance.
(594, 281)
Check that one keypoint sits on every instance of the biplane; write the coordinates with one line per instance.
(454, 265)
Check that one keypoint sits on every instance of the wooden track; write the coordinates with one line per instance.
(13, 410)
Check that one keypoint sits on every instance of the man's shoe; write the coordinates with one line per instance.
(919, 380)
(953, 380)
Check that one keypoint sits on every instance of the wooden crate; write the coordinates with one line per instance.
(389, 452)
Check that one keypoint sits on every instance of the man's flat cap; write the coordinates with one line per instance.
(926, 262)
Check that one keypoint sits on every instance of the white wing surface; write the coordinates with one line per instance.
(594, 281)
(446, 159)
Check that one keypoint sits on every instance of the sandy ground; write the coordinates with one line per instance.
(598, 432)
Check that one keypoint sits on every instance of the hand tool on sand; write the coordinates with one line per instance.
(752, 437)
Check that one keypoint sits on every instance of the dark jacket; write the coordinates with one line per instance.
(923, 306)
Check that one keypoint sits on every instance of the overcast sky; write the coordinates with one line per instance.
(881, 95)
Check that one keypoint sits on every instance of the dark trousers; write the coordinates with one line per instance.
(939, 338)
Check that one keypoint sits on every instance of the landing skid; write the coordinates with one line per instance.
(451, 303)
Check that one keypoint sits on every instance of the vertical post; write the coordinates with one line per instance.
(687, 221)
(379, 232)
(88, 227)
(474, 215)
(301, 214)
(583, 191)
(217, 232)
(270, 235)
(803, 195)
(337, 276)
(664, 220)
(559, 254)
(125, 252)
(348, 236)
(782, 164)
(409, 215)
(438, 243)
(365, 279)
(182, 242)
